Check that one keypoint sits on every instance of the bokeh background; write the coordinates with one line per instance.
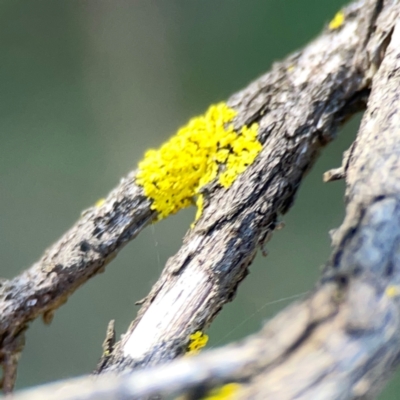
(85, 88)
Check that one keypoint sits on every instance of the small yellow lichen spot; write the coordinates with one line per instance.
(225, 392)
(290, 68)
(337, 21)
(199, 204)
(197, 341)
(205, 149)
(392, 291)
(99, 203)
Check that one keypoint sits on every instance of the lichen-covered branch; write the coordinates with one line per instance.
(297, 107)
(343, 340)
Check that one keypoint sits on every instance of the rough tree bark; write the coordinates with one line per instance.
(347, 330)
(81, 253)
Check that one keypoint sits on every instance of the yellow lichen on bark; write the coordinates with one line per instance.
(197, 341)
(337, 21)
(205, 149)
(225, 392)
(393, 291)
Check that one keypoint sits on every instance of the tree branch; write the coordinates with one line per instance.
(298, 106)
(81, 253)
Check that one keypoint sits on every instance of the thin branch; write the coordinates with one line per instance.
(80, 254)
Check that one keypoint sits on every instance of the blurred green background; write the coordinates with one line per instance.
(86, 87)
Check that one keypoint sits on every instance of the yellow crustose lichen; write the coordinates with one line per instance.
(99, 203)
(337, 21)
(197, 341)
(225, 392)
(205, 149)
(392, 291)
